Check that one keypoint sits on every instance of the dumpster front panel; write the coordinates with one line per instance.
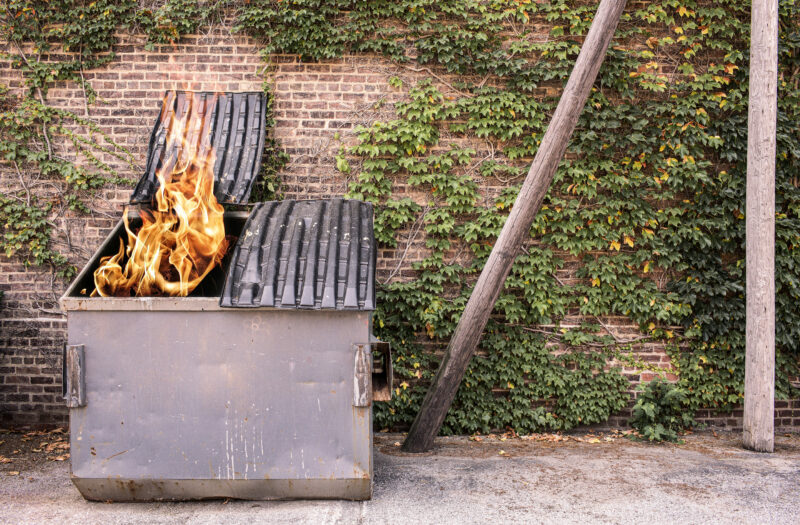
(254, 404)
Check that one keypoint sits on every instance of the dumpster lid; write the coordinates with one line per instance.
(315, 254)
(233, 124)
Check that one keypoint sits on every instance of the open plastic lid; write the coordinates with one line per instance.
(232, 124)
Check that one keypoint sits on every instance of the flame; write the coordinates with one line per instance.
(182, 238)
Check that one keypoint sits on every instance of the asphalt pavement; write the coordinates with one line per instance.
(543, 479)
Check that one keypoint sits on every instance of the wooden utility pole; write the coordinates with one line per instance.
(759, 383)
(516, 229)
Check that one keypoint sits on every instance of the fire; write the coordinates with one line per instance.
(182, 238)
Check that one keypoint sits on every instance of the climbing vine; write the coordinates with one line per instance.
(33, 30)
(645, 215)
(646, 208)
(50, 42)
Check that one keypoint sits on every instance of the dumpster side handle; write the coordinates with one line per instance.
(362, 375)
(73, 376)
(382, 373)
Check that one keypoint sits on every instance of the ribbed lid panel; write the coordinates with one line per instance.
(316, 254)
(231, 125)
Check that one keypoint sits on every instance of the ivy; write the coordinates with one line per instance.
(661, 412)
(56, 41)
(25, 125)
(84, 31)
(645, 210)
(267, 186)
(645, 215)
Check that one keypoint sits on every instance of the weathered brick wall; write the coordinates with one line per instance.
(316, 108)
(32, 327)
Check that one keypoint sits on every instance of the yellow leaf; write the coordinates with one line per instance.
(629, 241)
(615, 245)
(651, 327)
(678, 30)
(595, 282)
(404, 385)
(512, 112)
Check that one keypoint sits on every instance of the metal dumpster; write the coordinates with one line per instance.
(259, 385)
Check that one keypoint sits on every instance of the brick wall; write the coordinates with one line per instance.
(314, 104)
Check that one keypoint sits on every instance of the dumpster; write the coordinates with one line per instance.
(260, 383)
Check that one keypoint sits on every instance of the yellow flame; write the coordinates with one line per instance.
(183, 237)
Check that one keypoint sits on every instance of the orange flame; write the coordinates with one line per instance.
(183, 237)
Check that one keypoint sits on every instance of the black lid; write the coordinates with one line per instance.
(317, 254)
(233, 124)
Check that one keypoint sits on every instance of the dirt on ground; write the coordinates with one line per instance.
(23, 451)
(712, 443)
(597, 477)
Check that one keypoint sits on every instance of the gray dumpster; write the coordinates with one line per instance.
(259, 385)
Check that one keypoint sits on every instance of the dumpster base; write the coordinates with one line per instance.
(117, 489)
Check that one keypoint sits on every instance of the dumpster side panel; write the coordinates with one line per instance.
(219, 397)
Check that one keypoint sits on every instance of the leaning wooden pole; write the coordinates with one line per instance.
(516, 229)
(759, 382)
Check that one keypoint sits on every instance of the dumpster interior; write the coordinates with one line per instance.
(212, 284)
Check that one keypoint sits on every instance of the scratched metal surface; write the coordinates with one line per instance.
(315, 254)
(232, 124)
(216, 396)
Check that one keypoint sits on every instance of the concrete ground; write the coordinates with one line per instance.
(543, 479)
